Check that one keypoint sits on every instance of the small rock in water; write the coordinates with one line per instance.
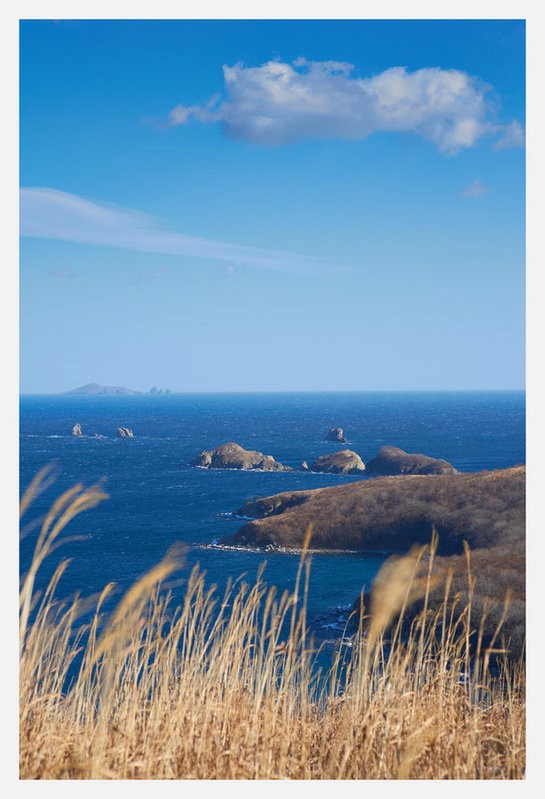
(124, 432)
(76, 430)
(336, 434)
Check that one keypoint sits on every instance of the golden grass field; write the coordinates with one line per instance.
(222, 687)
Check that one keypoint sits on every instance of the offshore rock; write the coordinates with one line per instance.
(76, 430)
(343, 462)
(124, 432)
(233, 456)
(336, 434)
(393, 461)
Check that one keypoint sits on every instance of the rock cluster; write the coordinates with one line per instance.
(122, 432)
(155, 390)
(389, 461)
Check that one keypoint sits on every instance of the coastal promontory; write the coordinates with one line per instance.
(390, 514)
(232, 456)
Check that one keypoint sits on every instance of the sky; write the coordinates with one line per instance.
(272, 205)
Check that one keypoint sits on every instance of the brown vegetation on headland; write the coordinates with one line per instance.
(223, 687)
(391, 514)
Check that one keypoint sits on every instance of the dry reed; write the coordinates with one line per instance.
(224, 687)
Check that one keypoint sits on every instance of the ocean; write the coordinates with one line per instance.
(156, 498)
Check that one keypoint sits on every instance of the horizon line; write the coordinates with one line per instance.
(138, 393)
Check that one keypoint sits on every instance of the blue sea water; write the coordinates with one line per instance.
(157, 499)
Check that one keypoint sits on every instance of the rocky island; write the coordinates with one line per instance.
(343, 462)
(233, 456)
(98, 390)
(392, 461)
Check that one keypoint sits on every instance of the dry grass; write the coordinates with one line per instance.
(222, 687)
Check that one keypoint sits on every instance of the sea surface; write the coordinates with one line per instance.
(156, 498)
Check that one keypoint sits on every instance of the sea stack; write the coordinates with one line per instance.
(336, 434)
(76, 430)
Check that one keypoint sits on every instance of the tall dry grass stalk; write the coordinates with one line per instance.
(224, 687)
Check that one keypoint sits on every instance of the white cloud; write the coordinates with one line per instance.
(53, 214)
(278, 103)
(475, 189)
(510, 136)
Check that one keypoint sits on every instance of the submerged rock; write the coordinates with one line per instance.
(343, 462)
(233, 456)
(124, 432)
(393, 461)
(336, 434)
(77, 431)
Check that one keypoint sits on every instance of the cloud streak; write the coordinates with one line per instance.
(279, 103)
(474, 190)
(52, 214)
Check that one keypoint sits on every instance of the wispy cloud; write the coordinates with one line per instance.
(278, 103)
(510, 136)
(61, 273)
(52, 214)
(475, 189)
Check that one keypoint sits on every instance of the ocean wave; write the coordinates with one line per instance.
(344, 641)
(275, 549)
(227, 514)
(243, 471)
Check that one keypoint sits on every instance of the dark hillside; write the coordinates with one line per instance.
(497, 573)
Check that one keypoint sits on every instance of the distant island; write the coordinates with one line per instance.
(96, 389)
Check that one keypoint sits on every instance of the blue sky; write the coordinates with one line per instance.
(272, 205)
